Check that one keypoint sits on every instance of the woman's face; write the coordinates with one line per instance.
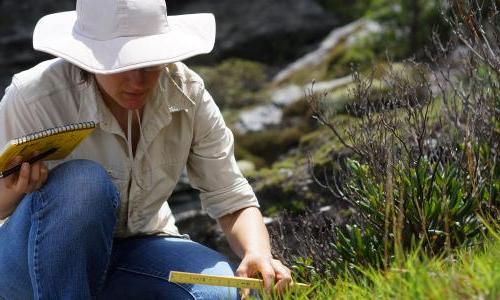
(129, 89)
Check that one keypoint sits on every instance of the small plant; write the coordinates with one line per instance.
(432, 207)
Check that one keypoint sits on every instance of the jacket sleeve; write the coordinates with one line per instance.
(16, 119)
(211, 165)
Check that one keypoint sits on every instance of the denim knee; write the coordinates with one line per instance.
(81, 190)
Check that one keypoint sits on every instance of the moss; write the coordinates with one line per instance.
(231, 116)
(318, 137)
(270, 144)
(333, 68)
(235, 83)
(287, 183)
(306, 75)
(277, 173)
(243, 154)
(298, 108)
(360, 53)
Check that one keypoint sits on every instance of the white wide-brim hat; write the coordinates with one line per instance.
(111, 36)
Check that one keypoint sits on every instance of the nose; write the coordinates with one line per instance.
(136, 79)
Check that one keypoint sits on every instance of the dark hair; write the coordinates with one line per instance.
(85, 75)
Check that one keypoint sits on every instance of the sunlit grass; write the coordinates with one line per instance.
(467, 274)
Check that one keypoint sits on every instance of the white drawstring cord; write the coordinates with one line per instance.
(144, 145)
(129, 138)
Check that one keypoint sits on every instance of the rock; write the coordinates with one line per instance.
(292, 93)
(17, 21)
(267, 31)
(259, 118)
(349, 33)
(326, 86)
(287, 95)
(271, 115)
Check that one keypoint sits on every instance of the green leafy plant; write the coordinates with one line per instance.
(431, 206)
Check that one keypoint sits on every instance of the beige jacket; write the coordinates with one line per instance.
(182, 127)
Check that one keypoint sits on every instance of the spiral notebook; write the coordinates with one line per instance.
(49, 144)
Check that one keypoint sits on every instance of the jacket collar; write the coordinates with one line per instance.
(177, 99)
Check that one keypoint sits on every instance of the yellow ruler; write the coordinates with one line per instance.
(238, 282)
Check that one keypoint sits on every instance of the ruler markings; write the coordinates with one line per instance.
(238, 282)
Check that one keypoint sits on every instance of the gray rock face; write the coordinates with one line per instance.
(259, 118)
(287, 95)
(270, 31)
(17, 21)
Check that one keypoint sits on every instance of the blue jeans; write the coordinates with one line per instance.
(58, 244)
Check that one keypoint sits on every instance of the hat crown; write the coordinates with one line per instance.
(110, 19)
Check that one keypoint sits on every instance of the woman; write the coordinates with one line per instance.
(97, 225)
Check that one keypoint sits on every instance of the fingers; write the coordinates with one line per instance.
(31, 177)
(34, 177)
(283, 276)
(267, 272)
(275, 275)
(253, 265)
(242, 271)
(23, 178)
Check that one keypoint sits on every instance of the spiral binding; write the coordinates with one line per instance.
(52, 131)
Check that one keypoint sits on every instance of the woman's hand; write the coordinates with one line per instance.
(276, 276)
(13, 187)
(248, 237)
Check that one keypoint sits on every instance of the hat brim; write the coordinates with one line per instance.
(187, 36)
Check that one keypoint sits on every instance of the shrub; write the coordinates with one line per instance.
(432, 206)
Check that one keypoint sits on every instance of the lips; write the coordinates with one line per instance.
(136, 94)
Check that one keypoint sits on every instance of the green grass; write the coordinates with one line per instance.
(467, 274)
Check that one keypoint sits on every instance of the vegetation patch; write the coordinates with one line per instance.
(468, 273)
(420, 179)
(235, 83)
